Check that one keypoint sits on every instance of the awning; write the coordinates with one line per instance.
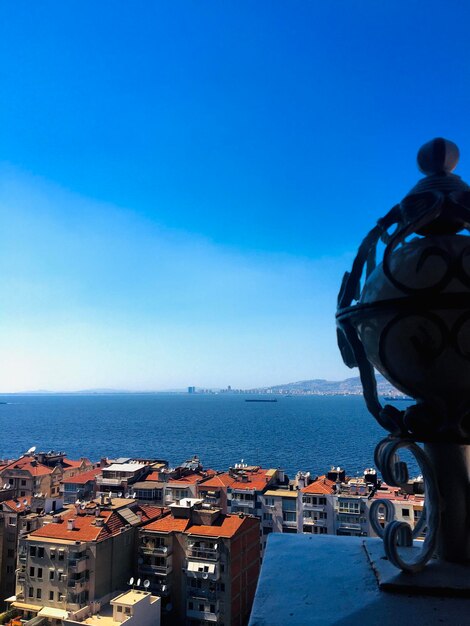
(196, 566)
(26, 607)
(54, 613)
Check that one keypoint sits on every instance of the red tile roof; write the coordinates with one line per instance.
(257, 480)
(29, 464)
(85, 527)
(321, 485)
(151, 512)
(13, 504)
(218, 481)
(225, 526)
(168, 524)
(154, 476)
(84, 477)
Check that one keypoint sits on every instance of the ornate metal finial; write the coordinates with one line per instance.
(409, 318)
(438, 157)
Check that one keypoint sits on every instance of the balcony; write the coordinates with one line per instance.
(77, 566)
(159, 550)
(202, 570)
(202, 594)
(159, 570)
(204, 616)
(110, 482)
(209, 554)
(246, 504)
(77, 584)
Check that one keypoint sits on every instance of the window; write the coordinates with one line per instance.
(267, 530)
(31, 592)
(10, 553)
(51, 595)
(322, 501)
(405, 512)
(289, 516)
(52, 553)
(39, 572)
(119, 609)
(289, 504)
(41, 552)
(11, 481)
(61, 555)
(31, 571)
(32, 550)
(267, 516)
(10, 569)
(23, 483)
(51, 574)
(38, 593)
(12, 521)
(22, 493)
(269, 501)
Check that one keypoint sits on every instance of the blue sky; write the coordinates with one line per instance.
(182, 184)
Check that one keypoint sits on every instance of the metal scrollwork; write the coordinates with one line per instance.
(398, 536)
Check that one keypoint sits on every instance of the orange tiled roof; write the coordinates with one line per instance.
(84, 477)
(225, 526)
(150, 512)
(321, 485)
(85, 528)
(13, 504)
(258, 481)
(168, 524)
(217, 481)
(29, 464)
(154, 476)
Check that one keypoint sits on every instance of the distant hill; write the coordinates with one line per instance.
(334, 387)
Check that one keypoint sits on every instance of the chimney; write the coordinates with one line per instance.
(99, 521)
(71, 524)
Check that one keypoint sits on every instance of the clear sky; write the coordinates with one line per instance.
(182, 184)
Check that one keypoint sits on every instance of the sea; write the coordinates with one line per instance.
(308, 433)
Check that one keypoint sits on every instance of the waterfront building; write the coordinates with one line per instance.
(78, 559)
(214, 490)
(203, 563)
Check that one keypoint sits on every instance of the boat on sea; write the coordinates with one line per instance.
(260, 399)
(398, 398)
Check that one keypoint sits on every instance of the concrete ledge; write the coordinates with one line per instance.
(320, 580)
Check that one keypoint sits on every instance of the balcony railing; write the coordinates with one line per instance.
(202, 594)
(202, 615)
(160, 550)
(209, 554)
(161, 570)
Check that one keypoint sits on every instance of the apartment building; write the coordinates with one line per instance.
(203, 563)
(77, 560)
(81, 486)
(40, 473)
(318, 506)
(17, 517)
(214, 490)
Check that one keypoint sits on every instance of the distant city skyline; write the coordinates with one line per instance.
(182, 186)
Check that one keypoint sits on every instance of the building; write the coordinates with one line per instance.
(134, 607)
(78, 559)
(318, 506)
(80, 487)
(203, 563)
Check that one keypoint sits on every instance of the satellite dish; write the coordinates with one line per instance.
(120, 494)
(32, 450)
(110, 494)
(215, 546)
(128, 495)
(25, 502)
(18, 505)
(134, 494)
(146, 583)
(205, 575)
(165, 550)
(131, 582)
(138, 582)
(76, 501)
(163, 587)
(82, 506)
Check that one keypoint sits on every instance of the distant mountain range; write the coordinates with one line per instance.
(334, 387)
